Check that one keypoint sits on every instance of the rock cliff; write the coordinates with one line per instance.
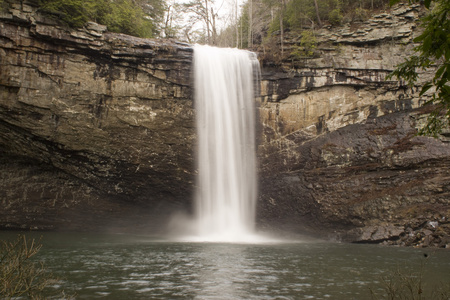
(96, 128)
(339, 150)
(97, 132)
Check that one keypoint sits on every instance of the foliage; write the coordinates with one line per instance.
(19, 275)
(73, 12)
(124, 16)
(335, 17)
(274, 26)
(433, 51)
(307, 45)
(261, 20)
(127, 18)
(243, 26)
(271, 54)
(301, 14)
(360, 15)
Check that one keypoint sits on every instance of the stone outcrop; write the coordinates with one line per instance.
(97, 132)
(93, 125)
(339, 150)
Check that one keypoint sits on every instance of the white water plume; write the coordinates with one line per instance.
(225, 107)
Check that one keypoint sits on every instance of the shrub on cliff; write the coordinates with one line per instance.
(306, 48)
(138, 18)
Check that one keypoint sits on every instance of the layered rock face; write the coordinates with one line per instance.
(95, 128)
(97, 132)
(340, 151)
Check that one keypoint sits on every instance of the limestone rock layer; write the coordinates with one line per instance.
(339, 150)
(92, 124)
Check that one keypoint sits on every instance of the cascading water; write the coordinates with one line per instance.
(225, 106)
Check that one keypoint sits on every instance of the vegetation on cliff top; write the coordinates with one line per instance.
(139, 18)
(199, 21)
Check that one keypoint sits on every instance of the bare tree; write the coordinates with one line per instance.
(316, 6)
(237, 23)
(203, 11)
(282, 7)
(250, 24)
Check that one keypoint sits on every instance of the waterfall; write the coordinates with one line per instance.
(225, 107)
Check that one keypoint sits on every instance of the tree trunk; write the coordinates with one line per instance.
(208, 32)
(250, 24)
(213, 27)
(317, 13)
(282, 28)
(237, 24)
